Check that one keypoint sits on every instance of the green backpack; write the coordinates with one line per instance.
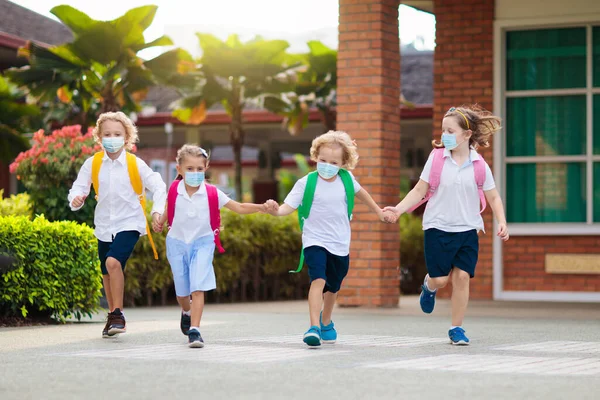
(309, 195)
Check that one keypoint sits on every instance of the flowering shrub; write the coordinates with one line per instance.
(49, 169)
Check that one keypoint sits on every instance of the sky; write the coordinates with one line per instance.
(294, 21)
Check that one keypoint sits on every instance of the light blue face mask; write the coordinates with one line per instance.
(113, 144)
(327, 171)
(449, 141)
(194, 179)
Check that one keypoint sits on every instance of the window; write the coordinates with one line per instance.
(552, 124)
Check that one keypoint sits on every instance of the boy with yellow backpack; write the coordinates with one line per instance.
(119, 179)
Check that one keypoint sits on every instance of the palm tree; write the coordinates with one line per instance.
(99, 70)
(16, 118)
(235, 74)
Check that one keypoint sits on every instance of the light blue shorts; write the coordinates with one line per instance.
(192, 264)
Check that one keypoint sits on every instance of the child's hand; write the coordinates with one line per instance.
(156, 224)
(391, 214)
(271, 207)
(78, 201)
(503, 231)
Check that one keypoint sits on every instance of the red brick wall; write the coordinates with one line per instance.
(368, 109)
(524, 267)
(463, 73)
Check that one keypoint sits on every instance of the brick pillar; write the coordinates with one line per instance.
(368, 109)
(463, 74)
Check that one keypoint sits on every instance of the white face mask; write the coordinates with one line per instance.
(113, 144)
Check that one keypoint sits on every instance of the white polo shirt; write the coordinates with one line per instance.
(455, 205)
(192, 216)
(327, 224)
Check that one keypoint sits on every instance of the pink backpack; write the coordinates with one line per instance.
(213, 206)
(436, 173)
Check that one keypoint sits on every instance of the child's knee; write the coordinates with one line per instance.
(197, 294)
(437, 283)
(319, 283)
(112, 265)
(460, 278)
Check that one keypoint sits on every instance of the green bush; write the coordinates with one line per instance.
(412, 257)
(56, 272)
(259, 252)
(15, 205)
(49, 168)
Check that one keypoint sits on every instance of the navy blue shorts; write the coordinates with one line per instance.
(324, 265)
(120, 248)
(444, 250)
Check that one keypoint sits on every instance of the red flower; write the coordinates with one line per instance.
(44, 160)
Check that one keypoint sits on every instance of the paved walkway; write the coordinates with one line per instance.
(254, 351)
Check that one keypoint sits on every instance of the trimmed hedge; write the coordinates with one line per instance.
(56, 272)
(259, 252)
(15, 205)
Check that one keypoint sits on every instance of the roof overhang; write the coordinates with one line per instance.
(422, 5)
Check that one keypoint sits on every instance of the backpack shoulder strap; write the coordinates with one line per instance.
(171, 200)
(349, 186)
(479, 170)
(435, 175)
(215, 214)
(138, 188)
(96, 164)
(304, 209)
(134, 174)
(307, 199)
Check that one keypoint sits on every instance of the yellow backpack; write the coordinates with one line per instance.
(136, 183)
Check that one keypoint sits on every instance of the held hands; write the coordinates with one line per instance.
(78, 201)
(157, 225)
(391, 215)
(271, 207)
(503, 231)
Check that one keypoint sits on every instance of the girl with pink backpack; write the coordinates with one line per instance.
(456, 182)
(193, 213)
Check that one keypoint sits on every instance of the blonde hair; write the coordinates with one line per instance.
(131, 133)
(336, 138)
(481, 122)
(192, 150)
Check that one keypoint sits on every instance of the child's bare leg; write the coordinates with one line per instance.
(329, 302)
(108, 292)
(437, 283)
(117, 282)
(460, 295)
(184, 302)
(315, 301)
(197, 308)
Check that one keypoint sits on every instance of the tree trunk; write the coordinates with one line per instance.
(329, 119)
(237, 137)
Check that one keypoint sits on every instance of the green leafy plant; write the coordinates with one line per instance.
(287, 179)
(99, 70)
(16, 205)
(50, 166)
(56, 272)
(234, 74)
(16, 120)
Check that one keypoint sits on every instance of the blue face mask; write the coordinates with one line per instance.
(194, 179)
(113, 144)
(449, 141)
(327, 171)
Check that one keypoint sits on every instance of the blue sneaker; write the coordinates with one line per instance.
(328, 332)
(312, 337)
(427, 299)
(195, 339)
(458, 337)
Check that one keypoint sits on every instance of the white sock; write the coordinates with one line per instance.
(452, 327)
(196, 328)
(188, 313)
(427, 285)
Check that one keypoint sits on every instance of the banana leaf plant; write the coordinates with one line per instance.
(235, 74)
(16, 120)
(99, 70)
(314, 87)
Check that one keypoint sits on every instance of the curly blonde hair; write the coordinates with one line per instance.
(131, 132)
(481, 122)
(336, 138)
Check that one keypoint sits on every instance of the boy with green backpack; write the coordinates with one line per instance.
(325, 199)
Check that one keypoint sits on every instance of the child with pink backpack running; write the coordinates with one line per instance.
(456, 182)
(193, 213)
